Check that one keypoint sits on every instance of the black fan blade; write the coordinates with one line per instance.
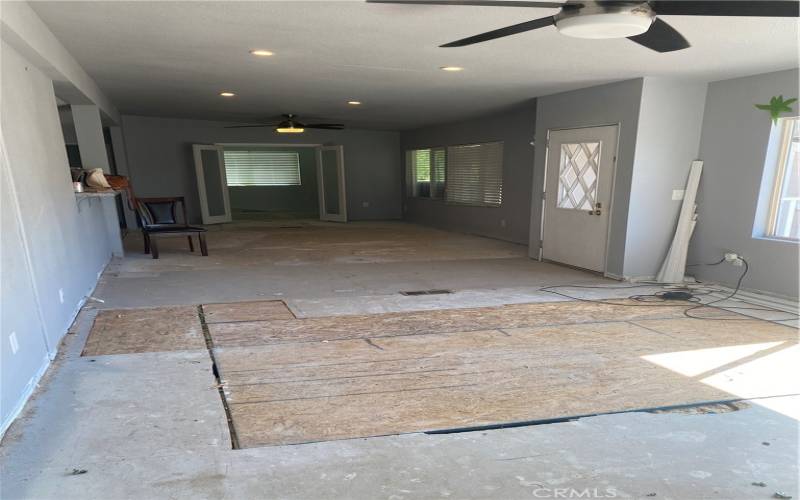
(484, 3)
(744, 8)
(251, 126)
(661, 37)
(328, 126)
(502, 32)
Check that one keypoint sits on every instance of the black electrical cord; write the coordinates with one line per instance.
(730, 296)
(720, 261)
(549, 289)
(657, 299)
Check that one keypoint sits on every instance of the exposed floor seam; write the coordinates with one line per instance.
(373, 344)
(220, 387)
(557, 420)
(452, 332)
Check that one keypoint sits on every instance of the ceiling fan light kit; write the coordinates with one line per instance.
(605, 22)
(289, 130)
(290, 125)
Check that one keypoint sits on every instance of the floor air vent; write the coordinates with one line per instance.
(426, 292)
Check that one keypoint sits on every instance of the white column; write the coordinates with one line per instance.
(121, 159)
(89, 129)
(112, 225)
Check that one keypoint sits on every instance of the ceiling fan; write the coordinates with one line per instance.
(290, 125)
(639, 21)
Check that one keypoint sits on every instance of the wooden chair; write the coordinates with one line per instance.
(159, 218)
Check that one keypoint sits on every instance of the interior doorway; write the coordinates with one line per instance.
(579, 180)
(270, 182)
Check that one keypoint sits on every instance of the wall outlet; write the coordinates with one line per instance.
(677, 194)
(61, 295)
(12, 339)
(734, 259)
(365, 204)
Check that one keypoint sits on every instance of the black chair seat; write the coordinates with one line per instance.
(159, 217)
(173, 229)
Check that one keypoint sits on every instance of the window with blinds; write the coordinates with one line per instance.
(475, 174)
(261, 167)
(425, 172)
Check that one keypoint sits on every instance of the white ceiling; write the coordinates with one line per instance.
(172, 58)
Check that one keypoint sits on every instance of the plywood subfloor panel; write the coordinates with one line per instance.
(124, 331)
(295, 392)
(442, 320)
(263, 310)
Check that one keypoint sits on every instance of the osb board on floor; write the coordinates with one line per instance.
(442, 320)
(288, 393)
(263, 310)
(125, 331)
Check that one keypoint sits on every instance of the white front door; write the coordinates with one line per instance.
(578, 184)
(212, 185)
(330, 179)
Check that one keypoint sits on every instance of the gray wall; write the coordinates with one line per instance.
(602, 105)
(515, 127)
(734, 146)
(47, 243)
(667, 141)
(300, 199)
(159, 154)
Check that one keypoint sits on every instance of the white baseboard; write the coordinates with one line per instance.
(761, 298)
(49, 356)
(639, 279)
(33, 383)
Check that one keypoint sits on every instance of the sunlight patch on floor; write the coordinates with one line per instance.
(773, 372)
(699, 361)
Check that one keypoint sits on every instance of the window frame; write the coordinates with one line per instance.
(781, 163)
(411, 174)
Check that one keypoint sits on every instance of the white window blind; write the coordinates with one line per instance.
(261, 167)
(425, 172)
(475, 174)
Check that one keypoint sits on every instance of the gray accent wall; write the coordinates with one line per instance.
(614, 103)
(667, 141)
(53, 248)
(734, 148)
(511, 221)
(160, 162)
(302, 199)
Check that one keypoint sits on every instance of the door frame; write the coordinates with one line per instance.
(340, 171)
(201, 184)
(613, 188)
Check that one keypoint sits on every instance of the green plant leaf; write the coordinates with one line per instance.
(776, 106)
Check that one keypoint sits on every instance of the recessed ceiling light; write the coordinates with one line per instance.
(262, 53)
(227, 94)
(451, 68)
(354, 103)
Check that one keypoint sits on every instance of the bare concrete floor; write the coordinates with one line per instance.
(152, 426)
